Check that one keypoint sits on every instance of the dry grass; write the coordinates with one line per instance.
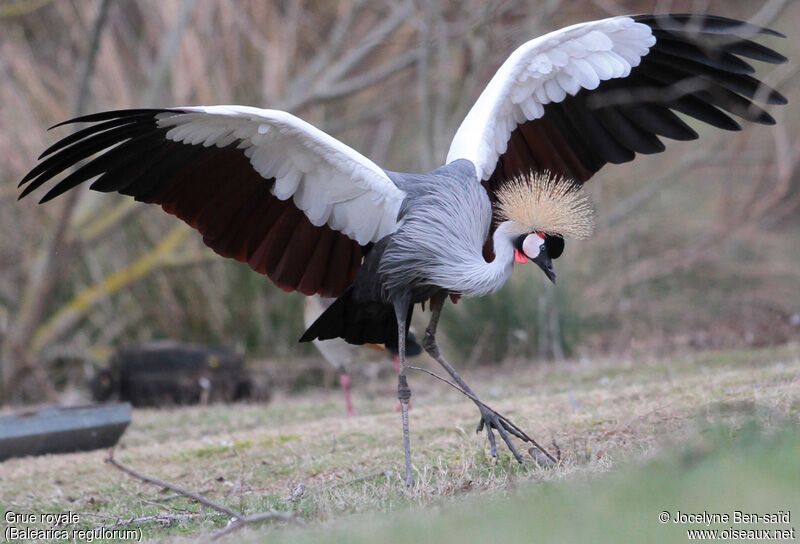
(253, 458)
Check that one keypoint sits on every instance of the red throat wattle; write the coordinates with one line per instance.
(520, 257)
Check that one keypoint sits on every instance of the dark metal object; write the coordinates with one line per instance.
(63, 429)
(171, 373)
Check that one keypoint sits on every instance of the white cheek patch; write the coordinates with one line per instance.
(531, 245)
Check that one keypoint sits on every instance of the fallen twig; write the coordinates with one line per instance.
(236, 524)
(164, 519)
(238, 519)
(372, 475)
(172, 487)
(511, 424)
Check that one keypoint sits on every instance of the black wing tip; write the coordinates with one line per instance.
(31, 187)
(114, 114)
(777, 99)
(28, 177)
(766, 119)
(772, 57)
(771, 32)
(51, 194)
(312, 332)
(309, 334)
(44, 170)
(28, 190)
(775, 57)
(731, 24)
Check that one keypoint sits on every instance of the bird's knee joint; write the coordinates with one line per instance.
(429, 343)
(403, 394)
(403, 391)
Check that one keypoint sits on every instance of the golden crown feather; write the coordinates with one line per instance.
(546, 202)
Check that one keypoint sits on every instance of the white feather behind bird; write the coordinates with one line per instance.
(336, 351)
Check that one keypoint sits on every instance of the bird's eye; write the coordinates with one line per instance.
(554, 246)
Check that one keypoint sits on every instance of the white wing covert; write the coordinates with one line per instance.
(329, 181)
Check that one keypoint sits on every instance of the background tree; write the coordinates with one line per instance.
(696, 247)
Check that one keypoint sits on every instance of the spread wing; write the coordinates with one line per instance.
(262, 186)
(603, 91)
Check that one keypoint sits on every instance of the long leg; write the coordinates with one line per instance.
(403, 391)
(344, 380)
(488, 417)
(396, 361)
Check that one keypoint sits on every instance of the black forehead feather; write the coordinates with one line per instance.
(554, 245)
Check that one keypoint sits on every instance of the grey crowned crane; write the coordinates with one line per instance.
(315, 216)
(341, 355)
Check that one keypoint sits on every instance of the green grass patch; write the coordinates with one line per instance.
(724, 470)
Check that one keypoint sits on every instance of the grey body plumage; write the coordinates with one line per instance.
(443, 225)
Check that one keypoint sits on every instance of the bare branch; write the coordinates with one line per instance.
(87, 69)
(164, 519)
(256, 518)
(21, 7)
(362, 81)
(424, 86)
(111, 460)
(370, 42)
(167, 52)
(654, 187)
(69, 314)
(336, 71)
(15, 353)
(238, 520)
(91, 230)
(324, 55)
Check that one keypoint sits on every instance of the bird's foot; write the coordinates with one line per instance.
(493, 421)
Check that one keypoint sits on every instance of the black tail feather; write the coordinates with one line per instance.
(413, 348)
(357, 322)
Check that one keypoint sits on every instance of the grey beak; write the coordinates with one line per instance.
(546, 264)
